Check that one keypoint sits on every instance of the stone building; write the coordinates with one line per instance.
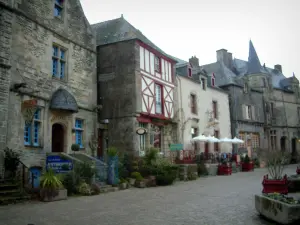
(264, 103)
(48, 77)
(204, 107)
(136, 86)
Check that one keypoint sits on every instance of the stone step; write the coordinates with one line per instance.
(5, 186)
(10, 192)
(5, 200)
(108, 188)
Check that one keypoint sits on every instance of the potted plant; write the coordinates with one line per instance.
(247, 164)
(75, 148)
(224, 168)
(52, 188)
(276, 161)
(123, 184)
(140, 182)
(11, 162)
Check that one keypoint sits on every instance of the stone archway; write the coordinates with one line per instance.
(58, 137)
(283, 140)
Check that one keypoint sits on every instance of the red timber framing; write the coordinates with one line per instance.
(155, 73)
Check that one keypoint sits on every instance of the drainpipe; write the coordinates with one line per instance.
(180, 106)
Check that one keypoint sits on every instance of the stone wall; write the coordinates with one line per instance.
(30, 32)
(117, 92)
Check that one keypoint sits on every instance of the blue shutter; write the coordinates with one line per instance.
(36, 129)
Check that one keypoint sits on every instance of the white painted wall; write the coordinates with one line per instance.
(186, 86)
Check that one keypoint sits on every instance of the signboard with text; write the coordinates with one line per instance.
(58, 164)
(176, 147)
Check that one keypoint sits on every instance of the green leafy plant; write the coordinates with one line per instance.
(151, 156)
(135, 175)
(75, 147)
(50, 184)
(11, 160)
(85, 171)
(84, 189)
(112, 151)
(202, 170)
(246, 159)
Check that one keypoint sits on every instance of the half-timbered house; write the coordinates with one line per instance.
(136, 89)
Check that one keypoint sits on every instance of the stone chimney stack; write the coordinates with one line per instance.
(194, 61)
(278, 67)
(229, 60)
(225, 57)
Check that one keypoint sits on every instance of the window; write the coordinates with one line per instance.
(58, 8)
(58, 63)
(255, 140)
(272, 109)
(158, 99)
(155, 137)
(193, 104)
(142, 138)
(203, 83)
(215, 110)
(194, 132)
(213, 80)
(157, 64)
(79, 132)
(273, 139)
(216, 144)
(190, 72)
(242, 136)
(32, 131)
(245, 88)
(248, 112)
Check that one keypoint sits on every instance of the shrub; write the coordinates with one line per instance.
(70, 181)
(11, 160)
(136, 175)
(84, 189)
(151, 156)
(112, 152)
(202, 170)
(75, 147)
(85, 171)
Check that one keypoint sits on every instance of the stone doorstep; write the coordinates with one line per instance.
(277, 211)
(108, 188)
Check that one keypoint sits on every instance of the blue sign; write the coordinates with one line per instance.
(176, 147)
(58, 164)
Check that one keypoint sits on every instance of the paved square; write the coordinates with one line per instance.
(221, 200)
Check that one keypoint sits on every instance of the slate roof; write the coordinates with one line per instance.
(117, 30)
(241, 68)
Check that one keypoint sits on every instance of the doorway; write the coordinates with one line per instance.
(283, 143)
(57, 138)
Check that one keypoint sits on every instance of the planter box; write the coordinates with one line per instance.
(272, 186)
(62, 195)
(224, 170)
(131, 181)
(294, 184)
(298, 170)
(123, 186)
(277, 211)
(212, 170)
(246, 167)
(140, 184)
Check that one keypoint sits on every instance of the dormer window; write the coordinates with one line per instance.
(213, 80)
(190, 72)
(157, 64)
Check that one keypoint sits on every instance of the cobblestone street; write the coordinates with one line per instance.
(226, 200)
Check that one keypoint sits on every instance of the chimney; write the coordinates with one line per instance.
(194, 61)
(229, 60)
(278, 67)
(222, 55)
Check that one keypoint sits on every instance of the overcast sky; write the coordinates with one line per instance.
(200, 27)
